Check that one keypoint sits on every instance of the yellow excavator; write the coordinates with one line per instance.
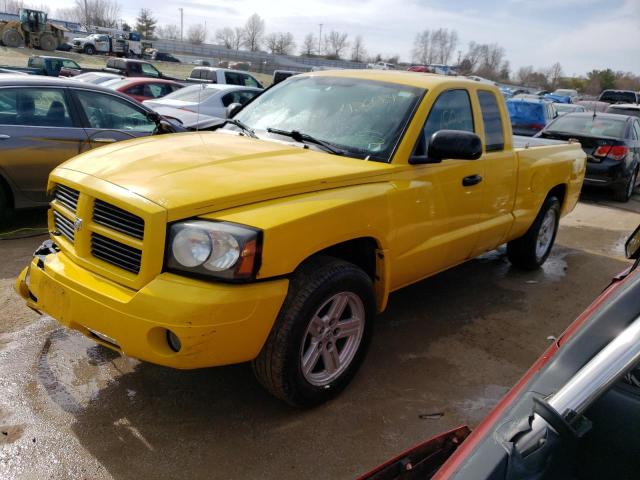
(32, 30)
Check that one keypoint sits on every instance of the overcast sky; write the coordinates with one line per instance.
(580, 34)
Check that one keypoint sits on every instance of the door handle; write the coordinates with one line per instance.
(4, 137)
(104, 140)
(471, 180)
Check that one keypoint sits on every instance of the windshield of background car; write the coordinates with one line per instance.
(363, 117)
(589, 126)
(193, 93)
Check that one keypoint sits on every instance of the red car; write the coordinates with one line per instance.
(574, 415)
(420, 68)
(143, 88)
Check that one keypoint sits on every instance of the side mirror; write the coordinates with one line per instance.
(233, 108)
(452, 145)
(632, 247)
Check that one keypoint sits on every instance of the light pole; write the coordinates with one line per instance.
(181, 22)
(320, 40)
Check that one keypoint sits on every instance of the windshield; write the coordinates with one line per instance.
(193, 93)
(614, 97)
(589, 126)
(365, 118)
(566, 93)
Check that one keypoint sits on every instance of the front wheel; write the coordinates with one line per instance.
(532, 249)
(321, 335)
(89, 50)
(48, 42)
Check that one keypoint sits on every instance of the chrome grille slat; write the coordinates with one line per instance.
(67, 196)
(116, 253)
(64, 226)
(117, 219)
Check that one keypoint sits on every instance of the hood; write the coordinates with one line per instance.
(202, 172)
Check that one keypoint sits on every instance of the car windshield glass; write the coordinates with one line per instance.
(364, 118)
(193, 93)
(614, 97)
(565, 107)
(588, 125)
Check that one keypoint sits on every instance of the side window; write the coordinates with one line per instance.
(34, 107)
(212, 76)
(196, 73)
(451, 111)
(70, 64)
(249, 81)
(636, 128)
(136, 90)
(156, 90)
(228, 99)
(246, 96)
(492, 120)
(232, 78)
(150, 70)
(111, 112)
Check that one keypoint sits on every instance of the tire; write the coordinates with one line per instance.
(48, 42)
(531, 250)
(306, 329)
(623, 194)
(89, 49)
(11, 38)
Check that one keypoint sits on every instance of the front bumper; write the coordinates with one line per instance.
(217, 324)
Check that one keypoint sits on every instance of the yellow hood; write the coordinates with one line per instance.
(195, 173)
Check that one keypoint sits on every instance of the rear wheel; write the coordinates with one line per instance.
(11, 38)
(623, 194)
(48, 42)
(532, 249)
(89, 49)
(321, 335)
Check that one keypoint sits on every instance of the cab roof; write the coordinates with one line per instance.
(402, 77)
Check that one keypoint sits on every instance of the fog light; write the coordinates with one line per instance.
(173, 341)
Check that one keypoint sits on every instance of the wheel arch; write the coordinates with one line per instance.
(368, 254)
(5, 188)
(560, 192)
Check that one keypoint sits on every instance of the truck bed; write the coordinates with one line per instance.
(520, 141)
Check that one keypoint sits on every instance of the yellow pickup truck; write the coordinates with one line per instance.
(278, 237)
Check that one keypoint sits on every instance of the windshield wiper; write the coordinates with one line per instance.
(305, 138)
(241, 125)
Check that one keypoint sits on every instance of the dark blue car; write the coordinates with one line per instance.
(529, 116)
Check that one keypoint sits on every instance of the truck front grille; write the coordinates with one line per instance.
(116, 253)
(67, 196)
(64, 226)
(118, 219)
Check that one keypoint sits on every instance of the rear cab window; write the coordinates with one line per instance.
(493, 128)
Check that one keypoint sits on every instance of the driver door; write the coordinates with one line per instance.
(442, 203)
(109, 118)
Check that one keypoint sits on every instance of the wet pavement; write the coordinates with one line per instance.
(443, 354)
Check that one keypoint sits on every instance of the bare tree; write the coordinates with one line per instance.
(169, 32)
(554, 74)
(196, 34)
(422, 52)
(225, 36)
(443, 43)
(99, 13)
(309, 45)
(337, 43)
(281, 43)
(358, 51)
(253, 32)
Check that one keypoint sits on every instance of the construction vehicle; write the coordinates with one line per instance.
(31, 30)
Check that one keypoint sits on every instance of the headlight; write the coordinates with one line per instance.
(219, 249)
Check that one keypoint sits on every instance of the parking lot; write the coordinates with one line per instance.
(444, 353)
